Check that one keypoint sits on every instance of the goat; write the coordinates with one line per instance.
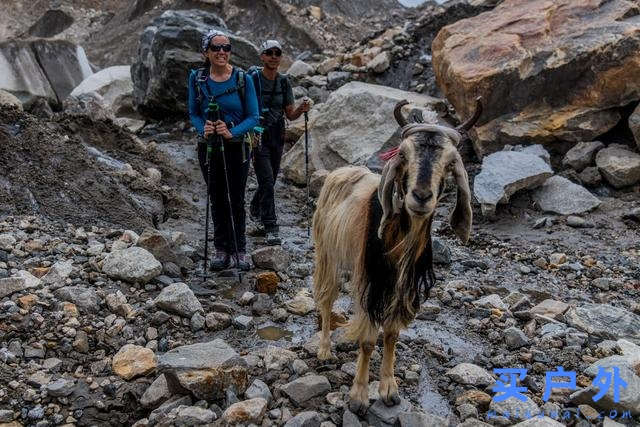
(379, 227)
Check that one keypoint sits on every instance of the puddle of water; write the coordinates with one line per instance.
(274, 333)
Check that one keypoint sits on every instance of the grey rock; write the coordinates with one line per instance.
(299, 367)
(349, 419)
(300, 69)
(167, 51)
(206, 369)
(305, 419)
(157, 244)
(578, 222)
(157, 393)
(336, 79)
(467, 410)
(197, 321)
(381, 415)
(58, 273)
(582, 154)
(540, 422)
(536, 150)
(418, 419)
(258, 389)
(505, 172)
(634, 125)
(11, 285)
(36, 413)
(629, 397)
(428, 311)
(470, 374)
(562, 196)
(441, 252)
(84, 298)
(271, 258)
(305, 388)
(178, 298)
(167, 407)
(60, 388)
(34, 352)
(132, 264)
(516, 408)
(319, 95)
(491, 301)
(618, 165)
(590, 176)
(515, 338)
(192, 415)
(381, 62)
(242, 321)
(605, 321)
(6, 416)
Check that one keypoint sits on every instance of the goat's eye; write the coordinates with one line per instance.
(401, 155)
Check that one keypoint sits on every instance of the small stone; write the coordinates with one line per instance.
(304, 419)
(247, 298)
(557, 259)
(299, 367)
(515, 338)
(590, 176)
(178, 298)
(197, 321)
(582, 154)
(267, 282)
(470, 374)
(577, 222)
(248, 411)
(218, 321)
(301, 305)
(157, 393)
(467, 411)
(305, 388)
(561, 196)
(271, 258)
(491, 301)
(60, 388)
(618, 165)
(243, 322)
(6, 416)
(132, 361)
(258, 389)
(133, 264)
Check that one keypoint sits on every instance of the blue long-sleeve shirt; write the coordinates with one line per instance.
(230, 104)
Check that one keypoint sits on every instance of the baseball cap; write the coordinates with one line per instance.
(269, 44)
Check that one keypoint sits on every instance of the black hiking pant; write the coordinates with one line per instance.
(266, 163)
(238, 172)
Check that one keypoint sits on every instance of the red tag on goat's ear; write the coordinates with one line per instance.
(389, 154)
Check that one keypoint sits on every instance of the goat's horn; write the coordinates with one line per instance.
(397, 113)
(472, 121)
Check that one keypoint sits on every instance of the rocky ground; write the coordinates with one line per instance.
(118, 310)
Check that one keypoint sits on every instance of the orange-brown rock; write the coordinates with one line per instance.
(27, 301)
(39, 271)
(547, 70)
(267, 282)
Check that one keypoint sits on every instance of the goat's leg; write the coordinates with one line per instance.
(325, 290)
(388, 386)
(359, 394)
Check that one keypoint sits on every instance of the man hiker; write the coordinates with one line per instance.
(275, 102)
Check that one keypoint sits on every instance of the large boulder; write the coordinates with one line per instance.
(21, 75)
(42, 69)
(113, 85)
(168, 49)
(351, 128)
(518, 55)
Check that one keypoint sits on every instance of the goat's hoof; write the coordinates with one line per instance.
(324, 354)
(358, 407)
(391, 399)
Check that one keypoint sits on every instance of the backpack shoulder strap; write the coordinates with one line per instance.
(284, 79)
(201, 83)
(241, 83)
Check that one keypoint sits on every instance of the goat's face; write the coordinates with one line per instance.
(414, 178)
(424, 160)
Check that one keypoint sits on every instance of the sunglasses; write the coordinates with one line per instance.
(273, 52)
(218, 47)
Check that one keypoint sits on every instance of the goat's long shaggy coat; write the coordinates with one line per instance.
(389, 274)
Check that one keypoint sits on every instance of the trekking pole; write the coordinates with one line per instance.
(233, 225)
(206, 223)
(306, 163)
(214, 115)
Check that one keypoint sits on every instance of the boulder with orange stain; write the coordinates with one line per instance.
(547, 70)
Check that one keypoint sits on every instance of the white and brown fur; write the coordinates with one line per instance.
(379, 228)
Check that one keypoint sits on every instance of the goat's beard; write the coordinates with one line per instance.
(415, 270)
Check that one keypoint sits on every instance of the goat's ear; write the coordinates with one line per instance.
(462, 215)
(385, 190)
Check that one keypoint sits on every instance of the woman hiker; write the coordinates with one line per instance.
(275, 99)
(220, 82)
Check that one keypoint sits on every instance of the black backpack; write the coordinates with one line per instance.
(254, 74)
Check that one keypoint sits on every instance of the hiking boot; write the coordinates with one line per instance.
(220, 261)
(256, 231)
(272, 237)
(243, 263)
